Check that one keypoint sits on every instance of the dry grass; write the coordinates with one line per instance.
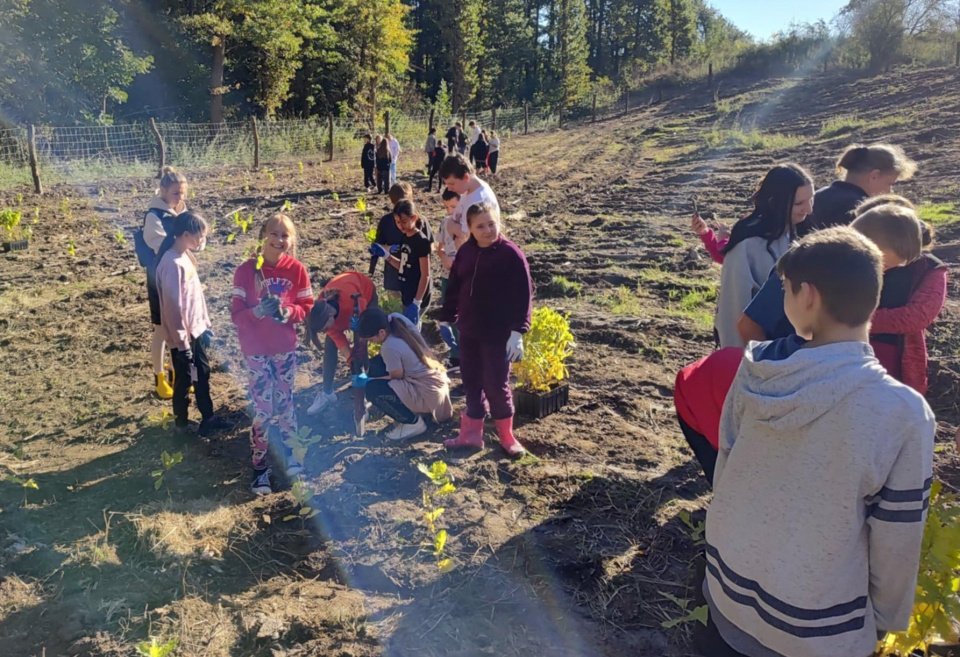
(17, 594)
(194, 528)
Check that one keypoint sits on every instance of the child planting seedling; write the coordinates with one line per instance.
(271, 294)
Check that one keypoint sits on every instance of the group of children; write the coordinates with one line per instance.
(380, 154)
(809, 421)
(485, 309)
(483, 150)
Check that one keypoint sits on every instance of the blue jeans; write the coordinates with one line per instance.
(393, 173)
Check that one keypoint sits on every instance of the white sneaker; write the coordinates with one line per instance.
(403, 431)
(322, 401)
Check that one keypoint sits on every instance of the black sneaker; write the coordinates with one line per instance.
(212, 425)
(261, 482)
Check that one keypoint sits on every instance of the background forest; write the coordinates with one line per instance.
(102, 61)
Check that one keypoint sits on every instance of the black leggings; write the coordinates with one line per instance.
(182, 383)
(383, 180)
(381, 395)
(368, 180)
(703, 450)
(492, 161)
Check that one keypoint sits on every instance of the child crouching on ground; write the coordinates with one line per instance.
(489, 298)
(404, 380)
(268, 303)
(185, 322)
(814, 532)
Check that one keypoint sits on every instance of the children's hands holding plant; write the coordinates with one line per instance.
(282, 316)
(515, 347)
(268, 306)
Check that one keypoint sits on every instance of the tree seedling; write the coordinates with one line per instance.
(65, 209)
(300, 166)
(167, 460)
(19, 199)
(696, 529)
(26, 484)
(120, 238)
(162, 420)
(302, 494)
(437, 474)
(71, 248)
(697, 614)
(241, 223)
(154, 649)
(300, 443)
(286, 206)
(336, 197)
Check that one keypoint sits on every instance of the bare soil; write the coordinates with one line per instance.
(579, 551)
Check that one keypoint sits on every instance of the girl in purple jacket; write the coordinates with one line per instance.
(489, 297)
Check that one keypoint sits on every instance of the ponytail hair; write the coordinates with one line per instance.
(374, 320)
(168, 178)
(185, 222)
(886, 158)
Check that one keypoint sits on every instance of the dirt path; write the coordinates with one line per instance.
(581, 551)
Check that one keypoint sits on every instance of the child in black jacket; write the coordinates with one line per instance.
(436, 159)
(383, 160)
(368, 161)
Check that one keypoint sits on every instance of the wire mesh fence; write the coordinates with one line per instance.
(89, 153)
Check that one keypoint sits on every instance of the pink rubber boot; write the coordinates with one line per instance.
(507, 439)
(471, 433)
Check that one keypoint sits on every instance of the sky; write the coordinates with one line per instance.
(762, 18)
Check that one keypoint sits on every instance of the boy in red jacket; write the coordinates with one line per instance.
(268, 301)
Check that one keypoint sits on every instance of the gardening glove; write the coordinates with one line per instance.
(205, 338)
(354, 323)
(378, 251)
(267, 306)
(360, 380)
(395, 249)
(515, 347)
(412, 312)
(446, 333)
(282, 316)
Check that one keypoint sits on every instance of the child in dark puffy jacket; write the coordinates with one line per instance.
(368, 161)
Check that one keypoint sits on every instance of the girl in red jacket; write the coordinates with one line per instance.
(271, 293)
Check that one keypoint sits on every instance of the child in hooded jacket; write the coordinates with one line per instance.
(270, 297)
(489, 297)
(368, 161)
(383, 159)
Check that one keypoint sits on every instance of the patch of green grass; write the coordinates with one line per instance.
(654, 275)
(938, 214)
(676, 242)
(730, 105)
(753, 139)
(615, 147)
(621, 301)
(667, 155)
(565, 286)
(841, 124)
(539, 246)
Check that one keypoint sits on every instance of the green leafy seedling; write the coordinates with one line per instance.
(71, 248)
(231, 237)
(167, 461)
(300, 166)
(361, 205)
(302, 494)
(287, 206)
(154, 649)
(26, 484)
(162, 420)
(696, 529)
(120, 238)
(431, 517)
(336, 197)
(698, 614)
(371, 235)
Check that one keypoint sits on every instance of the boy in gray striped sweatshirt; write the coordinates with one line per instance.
(823, 474)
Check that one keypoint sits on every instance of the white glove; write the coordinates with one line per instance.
(515, 347)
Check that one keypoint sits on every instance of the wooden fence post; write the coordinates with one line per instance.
(526, 117)
(560, 116)
(463, 119)
(330, 135)
(626, 101)
(386, 122)
(430, 124)
(256, 142)
(594, 107)
(956, 60)
(494, 119)
(32, 150)
(710, 75)
(160, 147)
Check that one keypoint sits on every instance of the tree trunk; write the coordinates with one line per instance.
(216, 81)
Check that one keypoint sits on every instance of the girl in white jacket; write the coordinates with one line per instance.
(783, 199)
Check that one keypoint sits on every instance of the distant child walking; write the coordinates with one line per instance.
(493, 158)
(459, 176)
(384, 161)
(783, 199)
(368, 162)
(185, 322)
(268, 302)
(167, 203)
(814, 534)
(428, 147)
(404, 380)
(332, 314)
(481, 149)
(489, 297)
(411, 260)
(390, 237)
(436, 161)
(447, 252)
(394, 147)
